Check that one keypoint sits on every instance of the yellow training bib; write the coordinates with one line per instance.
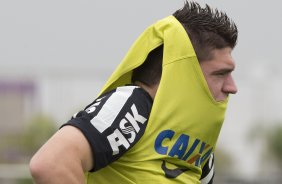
(185, 120)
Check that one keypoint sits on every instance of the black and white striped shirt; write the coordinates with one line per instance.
(114, 122)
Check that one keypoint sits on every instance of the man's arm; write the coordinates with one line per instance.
(63, 158)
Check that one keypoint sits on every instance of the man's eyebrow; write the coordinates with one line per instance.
(225, 70)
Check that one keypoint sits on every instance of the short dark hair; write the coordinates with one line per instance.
(150, 71)
(207, 29)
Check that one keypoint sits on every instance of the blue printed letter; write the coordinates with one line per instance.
(166, 134)
(180, 146)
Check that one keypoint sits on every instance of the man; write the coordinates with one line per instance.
(162, 128)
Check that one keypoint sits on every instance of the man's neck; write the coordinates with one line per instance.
(149, 89)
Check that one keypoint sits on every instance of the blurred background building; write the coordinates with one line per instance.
(18, 102)
(56, 55)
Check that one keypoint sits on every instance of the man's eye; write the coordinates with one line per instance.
(221, 74)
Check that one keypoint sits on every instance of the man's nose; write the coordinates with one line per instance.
(230, 86)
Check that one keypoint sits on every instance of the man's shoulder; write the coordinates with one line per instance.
(126, 92)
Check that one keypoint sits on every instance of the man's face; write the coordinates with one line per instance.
(217, 72)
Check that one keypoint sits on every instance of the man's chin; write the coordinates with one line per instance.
(221, 99)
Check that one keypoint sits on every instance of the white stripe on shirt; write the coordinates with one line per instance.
(111, 108)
